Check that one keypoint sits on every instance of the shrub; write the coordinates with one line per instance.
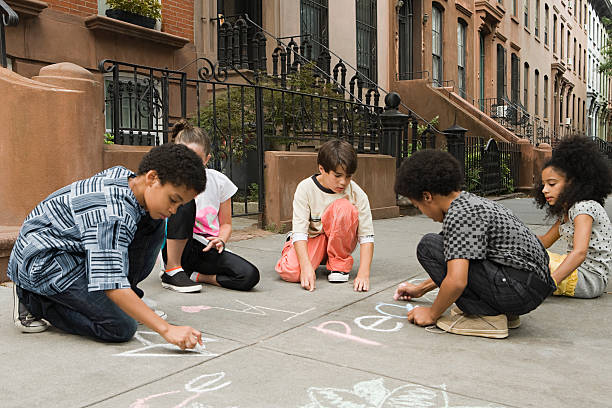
(147, 8)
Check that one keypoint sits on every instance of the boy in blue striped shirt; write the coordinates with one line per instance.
(82, 251)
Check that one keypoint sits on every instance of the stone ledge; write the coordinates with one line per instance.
(27, 8)
(110, 25)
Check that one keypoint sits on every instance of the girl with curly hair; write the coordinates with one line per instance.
(575, 182)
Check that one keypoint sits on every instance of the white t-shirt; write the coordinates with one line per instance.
(599, 254)
(219, 188)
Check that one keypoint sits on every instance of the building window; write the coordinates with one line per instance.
(554, 39)
(366, 39)
(501, 73)
(574, 58)
(580, 12)
(526, 13)
(561, 40)
(436, 47)
(514, 7)
(536, 88)
(515, 79)
(314, 22)
(140, 111)
(537, 18)
(567, 49)
(405, 40)
(584, 66)
(461, 31)
(546, 23)
(545, 105)
(526, 86)
(579, 60)
(482, 70)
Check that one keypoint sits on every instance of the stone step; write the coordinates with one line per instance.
(8, 236)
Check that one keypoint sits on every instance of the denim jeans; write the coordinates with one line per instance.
(93, 314)
(492, 289)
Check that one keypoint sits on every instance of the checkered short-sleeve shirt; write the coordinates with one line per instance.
(477, 228)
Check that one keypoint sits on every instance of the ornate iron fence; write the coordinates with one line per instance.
(491, 167)
(8, 18)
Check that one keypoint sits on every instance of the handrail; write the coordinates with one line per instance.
(9, 18)
(303, 59)
(412, 112)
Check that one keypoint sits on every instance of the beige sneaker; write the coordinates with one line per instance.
(514, 321)
(493, 327)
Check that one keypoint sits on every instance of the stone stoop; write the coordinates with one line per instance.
(8, 236)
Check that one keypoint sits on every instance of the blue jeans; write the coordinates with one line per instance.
(93, 314)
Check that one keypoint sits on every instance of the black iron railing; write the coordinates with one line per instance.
(491, 167)
(8, 18)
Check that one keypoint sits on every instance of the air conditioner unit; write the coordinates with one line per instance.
(501, 111)
(568, 121)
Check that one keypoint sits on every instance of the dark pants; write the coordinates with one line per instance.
(93, 314)
(492, 289)
(232, 271)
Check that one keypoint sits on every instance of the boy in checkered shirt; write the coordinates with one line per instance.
(485, 260)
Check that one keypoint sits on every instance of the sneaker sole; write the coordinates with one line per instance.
(31, 329)
(490, 334)
(182, 289)
(338, 280)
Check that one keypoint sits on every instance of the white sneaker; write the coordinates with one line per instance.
(338, 277)
(23, 319)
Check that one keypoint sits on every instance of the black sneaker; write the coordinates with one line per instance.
(180, 282)
(338, 277)
(23, 319)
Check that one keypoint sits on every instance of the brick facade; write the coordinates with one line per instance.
(177, 18)
(177, 15)
(76, 7)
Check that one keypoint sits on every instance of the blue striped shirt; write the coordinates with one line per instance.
(83, 228)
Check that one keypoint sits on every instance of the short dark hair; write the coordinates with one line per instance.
(587, 172)
(336, 153)
(176, 164)
(435, 171)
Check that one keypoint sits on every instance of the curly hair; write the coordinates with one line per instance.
(588, 175)
(176, 164)
(435, 171)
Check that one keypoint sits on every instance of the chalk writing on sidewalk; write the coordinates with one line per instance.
(346, 335)
(249, 309)
(155, 346)
(374, 394)
(198, 386)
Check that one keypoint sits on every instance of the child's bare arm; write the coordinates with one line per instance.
(362, 281)
(451, 288)
(551, 236)
(582, 235)
(174, 250)
(307, 273)
(225, 227)
(181, 336)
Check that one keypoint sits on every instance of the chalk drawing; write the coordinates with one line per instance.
(346, 335)
(198, 386)
(163, 349)
(249, 309)
(374, 394)
(377, 321)
(404, 309)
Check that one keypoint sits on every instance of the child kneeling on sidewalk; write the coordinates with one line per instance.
(83, 250)
(330, 214)
(485, 260)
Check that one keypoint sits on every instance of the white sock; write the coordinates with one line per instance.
(174, 271)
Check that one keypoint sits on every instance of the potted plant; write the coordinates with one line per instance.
(140, 12)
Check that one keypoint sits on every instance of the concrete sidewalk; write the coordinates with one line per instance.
(280, 346)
